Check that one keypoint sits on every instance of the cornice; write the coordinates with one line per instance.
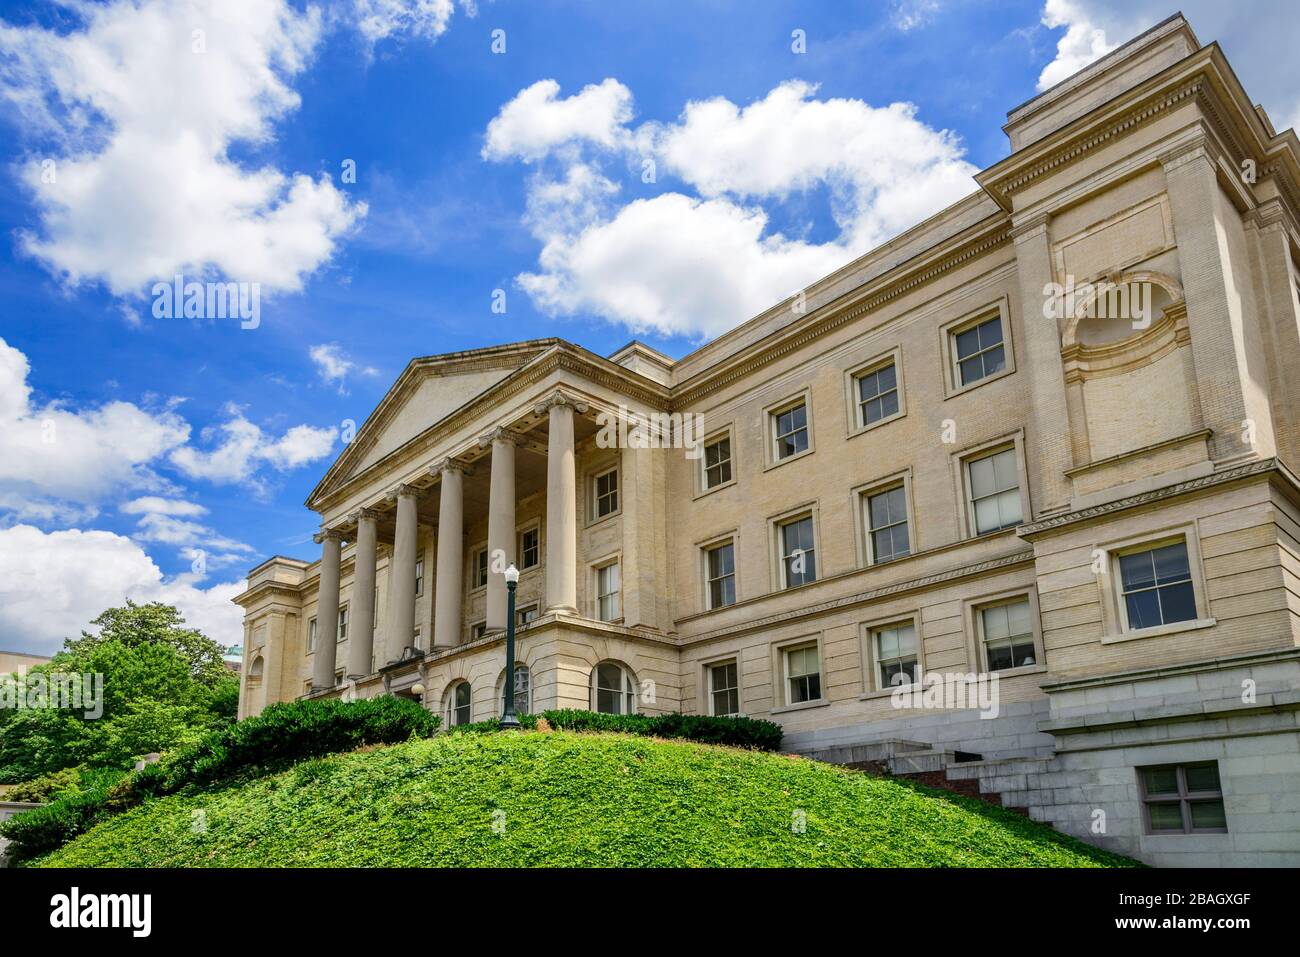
(1249, 470)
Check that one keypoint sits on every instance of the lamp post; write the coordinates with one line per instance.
(508, 720)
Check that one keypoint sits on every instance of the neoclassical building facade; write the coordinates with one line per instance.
(1039, 449)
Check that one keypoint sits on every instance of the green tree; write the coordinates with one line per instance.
(157, 624)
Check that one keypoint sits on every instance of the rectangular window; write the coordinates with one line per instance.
(877, 394)
(607, 493)
(311, 635)
(1008, 634)
(419, 577)
(530, 548)
(995, 491)
(897, 660)
(608, 607)
(720, 561)
(887, 524)
(343, 623)
(803, 675)
(717, 463)
(979, 351)
(724, 689)
(1183, 799)
(798, 556)
(790, 432)
(1156, 586)
(525, 615)
(478, 631)
(479, 572)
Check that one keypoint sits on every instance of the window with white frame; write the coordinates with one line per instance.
(897, 654)
(613, 689)
(311, 635)
(343, 623)
(523, 690)
(798, 551)
(994, 485)
(877, 394)
(720, 574)
(524, 616)
(886, 518)
(530, 547)
(1156, 586)
(605, 487)
(979, 350)
(459, 700)
(717, 462)
(478, 576)
(478, 630)
(803, 676)
(608, 605)
(1007, 634)
(789, 431)
(724, 688)
(1183, 799)
(419, 577)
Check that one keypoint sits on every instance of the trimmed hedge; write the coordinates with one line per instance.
(281, 735)
(752, 733)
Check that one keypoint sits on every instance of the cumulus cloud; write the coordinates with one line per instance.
(1260, 43)
(696, 265)
(174, 522)
(241, 447)
(53, 584)
(537, 120)
(378, 20)
(138, 108)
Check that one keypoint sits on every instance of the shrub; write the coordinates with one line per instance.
(279, 736)
(706, 729)
(46, 787)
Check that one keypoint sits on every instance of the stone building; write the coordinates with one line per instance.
(1008, 500)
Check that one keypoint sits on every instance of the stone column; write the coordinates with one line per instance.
(561, 504)
(400, 626)
(361, 637)
(451, 554)
(501, 522)
(327, 610)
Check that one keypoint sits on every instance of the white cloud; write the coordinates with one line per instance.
(698, 265)
(242, 448)
(173, 522)
(910, 14)
(1258, 40)
(53, 584)
(536, 121)
(154, 505)
(334, 366)
(53, 457)
(378, 20)
(140, 124)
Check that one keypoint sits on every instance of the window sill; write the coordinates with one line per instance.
(1016, 672)
(701, 492)
(788, 459)
(801, 706)
(1159, 631)
(600, 520)
(962, 390)
(863, 429)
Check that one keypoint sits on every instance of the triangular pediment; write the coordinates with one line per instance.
(428, 391)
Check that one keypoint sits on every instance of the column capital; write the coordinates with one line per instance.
(500, 434)
(327, 534)
(1030, 227)
(560, 397)
(451, 465)
(1189, 152)
(398, 491)
(363, 513)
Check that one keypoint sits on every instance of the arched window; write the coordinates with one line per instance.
(456, 708)
(255, 669)
(523, 690)
(613, 688)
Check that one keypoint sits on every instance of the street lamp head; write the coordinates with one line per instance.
(417, 690)
(512, 575)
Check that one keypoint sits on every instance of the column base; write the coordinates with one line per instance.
(569, 610)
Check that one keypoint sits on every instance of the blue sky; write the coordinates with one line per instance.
(136, 443)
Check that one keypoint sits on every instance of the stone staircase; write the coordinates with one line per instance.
(1012, 783)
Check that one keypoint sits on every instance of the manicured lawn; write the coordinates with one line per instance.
(562, 799)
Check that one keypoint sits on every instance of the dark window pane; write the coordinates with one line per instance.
(1161, 780)
(1171, 563)
(888, 404)
(1000, 658)
(1204, 777)
(968, 343)
(1166, 816)
(972, 370)
(1137, 571)
(1206, 814)
(1177, 602)
(990, 333)
(995, 360)
(1143, 609)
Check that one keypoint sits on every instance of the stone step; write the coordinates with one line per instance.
(874, 752)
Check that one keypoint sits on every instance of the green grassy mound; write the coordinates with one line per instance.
(563, 799)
